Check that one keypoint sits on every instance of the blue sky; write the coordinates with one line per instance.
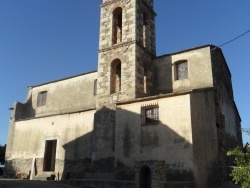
(44, 40)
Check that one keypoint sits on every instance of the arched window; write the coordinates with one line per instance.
(145, 83)
(145, 30)
(145, 177)
(117, 26)
(115, 85)
(181, 70)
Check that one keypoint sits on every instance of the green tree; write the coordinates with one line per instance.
(2, 153)
(241, 174)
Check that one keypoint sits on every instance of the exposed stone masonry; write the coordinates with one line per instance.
(100, 138)
(135, 63)
(158, 173)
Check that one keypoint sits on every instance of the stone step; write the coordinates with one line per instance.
(44, 176)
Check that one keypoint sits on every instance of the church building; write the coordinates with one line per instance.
(140, 120)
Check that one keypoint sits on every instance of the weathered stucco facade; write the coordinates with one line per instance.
(139, 121)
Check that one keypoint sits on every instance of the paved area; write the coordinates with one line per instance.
(10, 183)
(228, 185)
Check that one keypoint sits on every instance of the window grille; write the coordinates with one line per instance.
(150, 115)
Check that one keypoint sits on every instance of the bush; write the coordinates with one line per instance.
(241, 174)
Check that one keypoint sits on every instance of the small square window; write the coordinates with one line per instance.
(181, 70)
(150, 115)
(41, 98)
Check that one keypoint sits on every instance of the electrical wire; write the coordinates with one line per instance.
(234, 39)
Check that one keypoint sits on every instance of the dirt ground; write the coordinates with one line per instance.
(10, 183)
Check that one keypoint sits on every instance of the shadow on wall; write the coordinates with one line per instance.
(87, 156)
(163, 77)
(117, 149)
(134, 144)
(77, 157)
(24, 110)
(138, 143)
(19, 111)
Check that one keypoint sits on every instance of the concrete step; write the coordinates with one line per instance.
(44, 176)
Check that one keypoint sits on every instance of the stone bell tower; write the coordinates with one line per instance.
(125, 56)
(126, 50)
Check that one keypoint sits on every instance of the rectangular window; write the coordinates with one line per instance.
(150, 115)
(41, 98)
(181, 70)
(95, 86)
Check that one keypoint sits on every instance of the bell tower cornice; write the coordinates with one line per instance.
(146, 4)
(126, 45)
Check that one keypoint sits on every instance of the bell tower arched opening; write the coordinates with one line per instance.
(115, 80)
(145, 30)
(117, 25)
(127, 33)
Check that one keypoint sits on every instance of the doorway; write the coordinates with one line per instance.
(49, 155)
(145, 177)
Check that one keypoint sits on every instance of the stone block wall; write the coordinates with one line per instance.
(228, 120)
(158, 173)
(145, 19)
(124, 51)
(136, 59)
